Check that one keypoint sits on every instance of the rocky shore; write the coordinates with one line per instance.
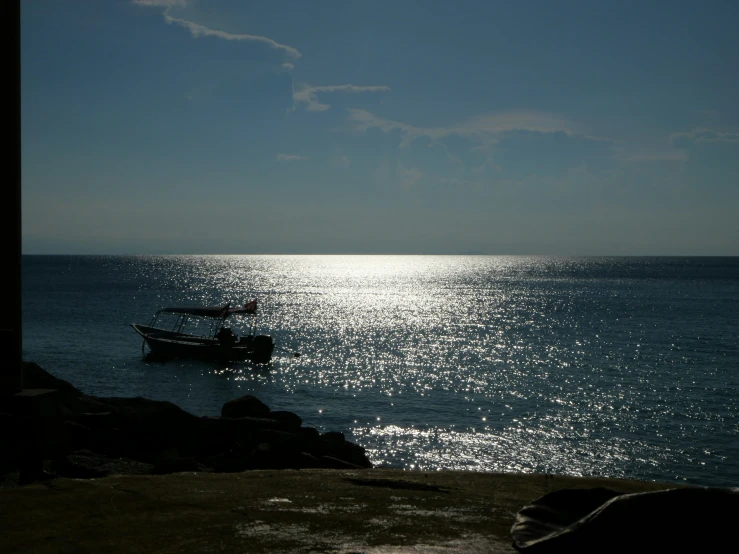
(369, 511)
(137, 475)
(93, 437)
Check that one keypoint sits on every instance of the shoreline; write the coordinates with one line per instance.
(52, 429)
(313, 510)
(133, 475)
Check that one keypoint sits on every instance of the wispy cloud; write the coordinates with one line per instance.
(197, 30)
(702, 136)
(308, 94)
(506, 145)
(461, 184)
(341, 162)
(481, 126)
(161, 3)
(649, 153)
(408, 175)
(289, 157)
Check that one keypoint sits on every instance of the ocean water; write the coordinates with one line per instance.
(616, 367)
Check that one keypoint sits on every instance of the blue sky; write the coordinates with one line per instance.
(409, 127)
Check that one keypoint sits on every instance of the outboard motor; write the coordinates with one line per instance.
(263, 347)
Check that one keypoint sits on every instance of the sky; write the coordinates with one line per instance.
(380, 127)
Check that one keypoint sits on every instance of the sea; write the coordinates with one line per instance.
(622, 367)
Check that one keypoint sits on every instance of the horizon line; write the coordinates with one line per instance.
(469, 254)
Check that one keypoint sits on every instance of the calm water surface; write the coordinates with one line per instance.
(621, 367)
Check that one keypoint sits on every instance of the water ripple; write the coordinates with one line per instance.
(625, 367)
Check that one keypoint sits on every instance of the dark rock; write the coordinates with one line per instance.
(270, 456)
(88, 404)
(140, 436)
(76, 436)
(154, 424)
(298, 460)
(65, 413)
(329, 462)
(110, 442)
(246, 406)
(264, 456)
(305, 460)
(240, 425)
(275, 437)
(73, 469)
(124, 466)
(601, 520)
(216, 434)
(354, 454)
(85, 464)
(177, 465)
(99, 420)
(227, 462)
(35, 377)
(334, 445)
(309, 433)
(288, 418)
(153, 413)
(28, 476)
(333, 438)
(281, 450)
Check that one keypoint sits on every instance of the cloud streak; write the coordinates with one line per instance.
(481, 127)
(408, 175)
(702, 136)
(289, 157)
(508, 145)
(161, 3)
(197, 30)
(308, 94)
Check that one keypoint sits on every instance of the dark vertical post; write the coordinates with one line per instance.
(30, 430)
(11, 369)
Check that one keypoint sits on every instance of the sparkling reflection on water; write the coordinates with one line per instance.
(586, 366)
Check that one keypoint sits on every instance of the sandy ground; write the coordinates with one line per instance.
(343, 511)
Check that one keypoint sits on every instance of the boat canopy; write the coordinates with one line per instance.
(212, 311)
(203, 311)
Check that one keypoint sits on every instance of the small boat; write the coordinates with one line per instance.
(200, 332)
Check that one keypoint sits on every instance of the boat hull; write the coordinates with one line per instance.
(167, 344)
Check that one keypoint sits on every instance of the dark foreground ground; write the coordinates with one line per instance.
(314, 510)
